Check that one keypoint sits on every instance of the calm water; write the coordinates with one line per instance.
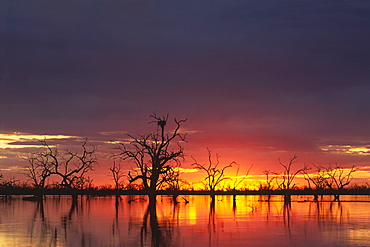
(105, 221)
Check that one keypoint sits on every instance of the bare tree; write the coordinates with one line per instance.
(332, 178)
(154, 154)
(171, 180)
(215, 174)
(117, 174)
(70, 166)
(38, 170)
(238, 180)
(10, 182)
(268, 183)
(288, 177)
(338, 178)
(317, 180)
(269, 179)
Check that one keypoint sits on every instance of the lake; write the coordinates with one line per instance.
(127, 221)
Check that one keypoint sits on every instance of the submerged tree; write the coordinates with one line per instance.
(70, 166)
(287, 177)
(331, 178)
(117, 174)
(8, 183)
(269, 179)
(239, 179)
(338, 178)
(38, 171)
(215, 173)
(73, 166)
(154, 154)
(268, 183)
(317, 181)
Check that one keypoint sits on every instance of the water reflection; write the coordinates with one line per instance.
(134, 221)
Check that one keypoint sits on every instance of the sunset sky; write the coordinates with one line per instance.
(258, 80)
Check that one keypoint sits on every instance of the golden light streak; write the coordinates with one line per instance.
(347, 149)
(185, 170)
(6, 140)
(362, 151)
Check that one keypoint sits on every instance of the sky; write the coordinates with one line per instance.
(257, 80)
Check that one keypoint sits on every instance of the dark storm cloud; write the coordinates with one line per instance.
(284, 68)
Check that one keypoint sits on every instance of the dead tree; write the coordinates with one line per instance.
(317, 180)
(154, 154)
(215, 174)
(270, 178)
(338, 178)
(171, 181)
(288, 178)
(73, 166)
(268, 184)
(38, 171)
(237, 181)
(70, 166)
(117, 174)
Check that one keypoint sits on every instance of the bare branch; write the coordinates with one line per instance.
(153, 153)
(214, 175)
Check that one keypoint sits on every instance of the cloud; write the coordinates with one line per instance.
(348, 149)
(262, 76)
(22, 140)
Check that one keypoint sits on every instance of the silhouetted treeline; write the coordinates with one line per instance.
(357, 190)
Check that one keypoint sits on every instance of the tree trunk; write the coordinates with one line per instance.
(336, 197)
(316, 197)
(287, 199)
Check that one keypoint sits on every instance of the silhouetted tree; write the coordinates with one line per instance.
(70, 166)
(173, 183)
(332, 178)
(38, 170)
(268, 184)
(287, 177)
(154, 154)
(8, 183)
(317, 180)
(237, 179)
(269, 179)
(338, 178)
(215, 174)
(117, 174)
(171, 180)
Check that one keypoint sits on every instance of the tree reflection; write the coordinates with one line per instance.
(159, 236)
(328, 213)
(211, 221)
(39, 220)
(73, 226)
(286, 217)
(115, 224)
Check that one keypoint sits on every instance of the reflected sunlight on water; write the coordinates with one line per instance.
(128, 221)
